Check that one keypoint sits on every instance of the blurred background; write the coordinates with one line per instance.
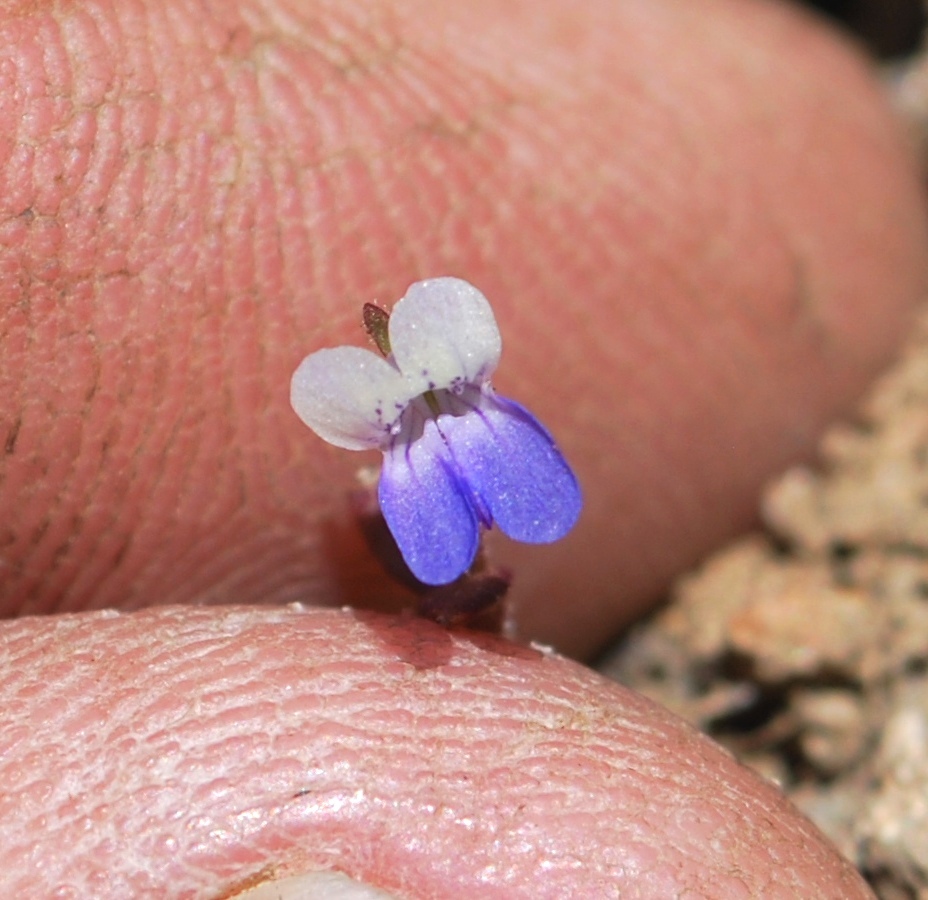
(889, 28)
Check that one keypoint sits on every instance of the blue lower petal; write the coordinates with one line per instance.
(428, 508)
(513, 466)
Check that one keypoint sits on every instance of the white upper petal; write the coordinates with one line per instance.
(443, 333)
(349, 396)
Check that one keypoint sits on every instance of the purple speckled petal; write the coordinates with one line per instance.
(514, 468)
(349, 396)
(428, 508)
(444, 334)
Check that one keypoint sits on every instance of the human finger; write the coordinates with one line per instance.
(699, 228)
(194, 752)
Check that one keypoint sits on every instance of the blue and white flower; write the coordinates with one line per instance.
(457, 455)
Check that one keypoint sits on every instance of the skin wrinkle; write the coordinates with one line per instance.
(233, 740)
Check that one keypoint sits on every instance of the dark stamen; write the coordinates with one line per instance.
(376, 324)
(432, 401)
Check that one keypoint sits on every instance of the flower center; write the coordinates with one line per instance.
(433, 403)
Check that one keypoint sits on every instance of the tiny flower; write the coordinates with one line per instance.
(457, 455)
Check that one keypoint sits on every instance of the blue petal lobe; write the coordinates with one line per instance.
(514, 468)
(428, 508)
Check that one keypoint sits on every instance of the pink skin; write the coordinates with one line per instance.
(698, 248)
(186, 750)
(702, 234)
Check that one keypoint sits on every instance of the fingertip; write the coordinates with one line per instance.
(181, 751)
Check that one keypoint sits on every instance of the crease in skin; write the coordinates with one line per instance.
(313, 886)
(172, 751)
